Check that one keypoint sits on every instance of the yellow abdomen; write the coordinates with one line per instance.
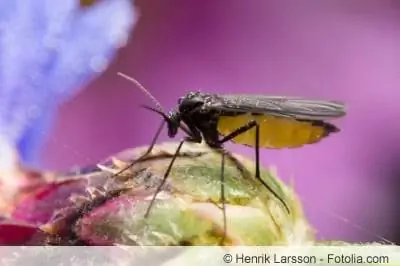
(275, 132)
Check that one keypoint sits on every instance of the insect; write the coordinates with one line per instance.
(257, 121)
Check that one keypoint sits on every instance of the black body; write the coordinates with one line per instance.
(201, 111)
(198, 114)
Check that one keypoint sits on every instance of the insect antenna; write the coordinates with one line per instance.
(166, 118)
(160, 109)
(158, 132)
(143, 89)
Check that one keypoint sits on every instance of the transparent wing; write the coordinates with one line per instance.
(298, 108)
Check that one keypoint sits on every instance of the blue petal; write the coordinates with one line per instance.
(34, 136)
(48, 51)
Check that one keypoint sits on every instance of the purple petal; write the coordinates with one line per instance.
(12, 234)
(38, 208)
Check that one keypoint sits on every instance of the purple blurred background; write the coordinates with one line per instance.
(339, 50)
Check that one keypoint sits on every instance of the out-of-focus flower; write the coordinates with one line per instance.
(93, 209)
(48, 50)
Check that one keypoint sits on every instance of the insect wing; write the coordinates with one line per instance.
(298, 108)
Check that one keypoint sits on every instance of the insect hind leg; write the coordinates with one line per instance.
(241, 130)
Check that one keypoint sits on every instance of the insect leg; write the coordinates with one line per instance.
(164, 178)
(153, 142)
(238, 131)
(258, 175)
(242, 130)
(222, 184)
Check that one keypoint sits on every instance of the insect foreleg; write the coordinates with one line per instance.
(153, 142)
(164, 178)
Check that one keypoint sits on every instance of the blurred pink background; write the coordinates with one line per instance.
(339, 50)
